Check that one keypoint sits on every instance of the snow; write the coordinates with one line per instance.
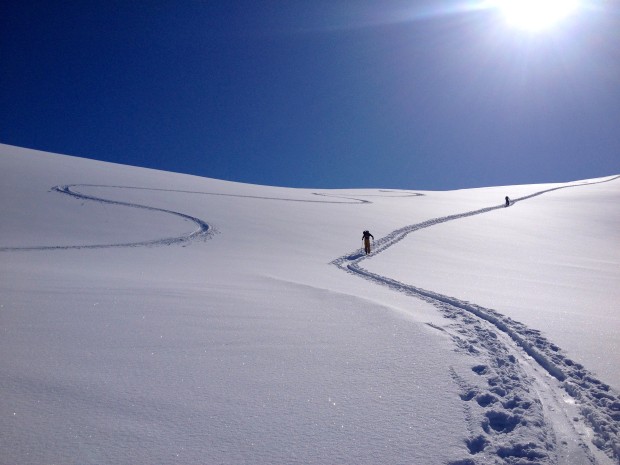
(554, 268)
(153, 317)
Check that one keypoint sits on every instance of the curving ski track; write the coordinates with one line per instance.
(203, 231)
(509, 410)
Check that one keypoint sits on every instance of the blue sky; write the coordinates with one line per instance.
(326, 94)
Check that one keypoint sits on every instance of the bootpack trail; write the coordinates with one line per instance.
(532, 404)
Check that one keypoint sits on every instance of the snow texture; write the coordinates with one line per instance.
(152, 317)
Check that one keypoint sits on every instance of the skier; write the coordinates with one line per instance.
(366, 238)
(507, 201)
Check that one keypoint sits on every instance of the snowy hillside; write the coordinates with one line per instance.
(157, 318)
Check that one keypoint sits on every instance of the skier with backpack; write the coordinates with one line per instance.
(366, 239)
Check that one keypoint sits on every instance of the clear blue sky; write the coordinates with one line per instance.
(315, 93)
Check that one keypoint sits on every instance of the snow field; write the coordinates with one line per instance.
(148, 338)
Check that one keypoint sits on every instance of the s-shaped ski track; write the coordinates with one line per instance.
(530, 390)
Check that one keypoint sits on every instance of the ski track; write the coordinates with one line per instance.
(509, 409)
(204, 230)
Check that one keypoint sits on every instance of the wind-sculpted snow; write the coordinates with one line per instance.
(510, 410)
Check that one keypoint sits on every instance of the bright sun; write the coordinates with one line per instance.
(536, 15)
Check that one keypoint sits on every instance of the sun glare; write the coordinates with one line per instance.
(536, 15)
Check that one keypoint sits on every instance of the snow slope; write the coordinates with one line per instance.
(152, 317)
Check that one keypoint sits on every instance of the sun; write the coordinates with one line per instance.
(536, 15)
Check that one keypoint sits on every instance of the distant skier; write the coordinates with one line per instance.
(507, 201)
(366, 238)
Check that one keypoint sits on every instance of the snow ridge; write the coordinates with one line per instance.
(510, 414)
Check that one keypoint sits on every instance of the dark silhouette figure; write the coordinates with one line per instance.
(507, 201)
(366, 238)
